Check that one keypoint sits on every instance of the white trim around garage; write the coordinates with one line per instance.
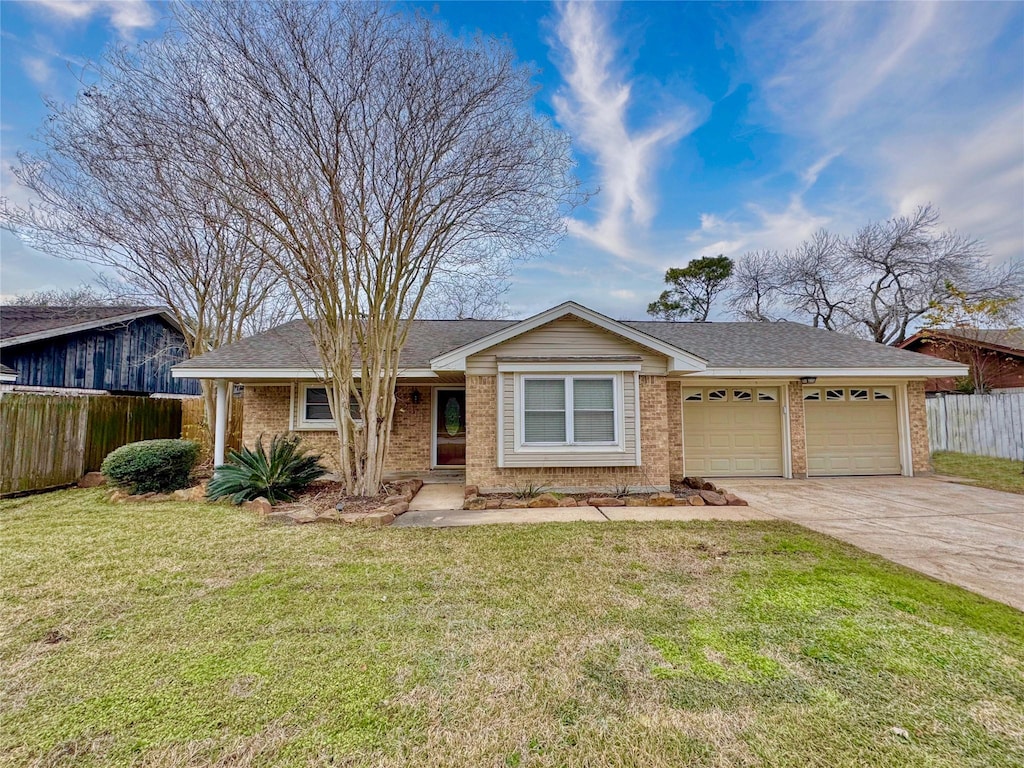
(903, 430)
(787, 434)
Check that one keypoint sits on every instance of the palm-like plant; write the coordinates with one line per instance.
(277, 474)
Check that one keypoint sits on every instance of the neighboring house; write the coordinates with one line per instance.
(7, 375)
(999, 352)
(122, 350)
(574, 400)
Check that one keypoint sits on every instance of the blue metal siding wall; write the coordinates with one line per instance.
(133, 357)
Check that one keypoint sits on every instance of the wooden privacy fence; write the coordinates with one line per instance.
(47, 441)
(194, 426)
(984, 425)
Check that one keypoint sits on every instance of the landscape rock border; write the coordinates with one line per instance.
(695, 492)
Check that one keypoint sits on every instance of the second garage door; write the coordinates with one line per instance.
(732, 431)
(851, 431)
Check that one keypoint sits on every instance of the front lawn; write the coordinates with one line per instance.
(998, 474)
(186, 634)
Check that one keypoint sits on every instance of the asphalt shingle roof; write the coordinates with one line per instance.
(17, 320)
(291, 345)
(778, 345)
(722, 345)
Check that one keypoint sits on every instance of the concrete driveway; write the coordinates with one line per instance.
(972, 537)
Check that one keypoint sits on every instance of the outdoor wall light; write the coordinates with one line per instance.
(415, 397)
(808, 379)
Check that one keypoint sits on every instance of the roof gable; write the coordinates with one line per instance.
(678, 358)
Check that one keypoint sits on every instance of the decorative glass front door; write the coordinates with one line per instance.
(450, 427)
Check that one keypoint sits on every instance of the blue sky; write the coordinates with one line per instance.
(706, 128)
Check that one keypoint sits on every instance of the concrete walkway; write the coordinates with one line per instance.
(437, 496)
(429, 510)
(969, 536)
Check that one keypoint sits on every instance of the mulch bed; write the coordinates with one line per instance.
(324, 495)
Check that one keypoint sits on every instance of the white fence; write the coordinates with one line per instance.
(984, 425)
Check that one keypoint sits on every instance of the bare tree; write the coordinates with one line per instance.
(756, 289)
(455, 297)
(111, 187)
(876, 283)
(85, 295)
(368, 151)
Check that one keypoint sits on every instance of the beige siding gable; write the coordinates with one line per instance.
(566, 337)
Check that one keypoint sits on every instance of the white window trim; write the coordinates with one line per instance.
(570, 447)
(304, 424)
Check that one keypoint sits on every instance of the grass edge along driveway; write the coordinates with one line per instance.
(188, 634)
(986, 471)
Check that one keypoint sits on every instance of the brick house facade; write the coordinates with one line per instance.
(574, 401)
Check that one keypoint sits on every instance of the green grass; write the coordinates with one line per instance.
(998, 474)
(197, 635)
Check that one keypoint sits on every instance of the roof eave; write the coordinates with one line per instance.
(904, 372)
(276, 374)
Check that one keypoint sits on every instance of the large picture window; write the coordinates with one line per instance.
(315, 411)
(569, 410)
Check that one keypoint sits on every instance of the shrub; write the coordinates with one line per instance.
(152, 465)
(276, 475)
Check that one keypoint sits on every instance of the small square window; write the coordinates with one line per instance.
(835, 394)
(693, 395)
(883, 393)
(716, 395)
(742, 395)
(768, 395)
(858, 394)
(812, 394)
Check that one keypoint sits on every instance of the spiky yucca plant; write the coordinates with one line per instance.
(277, 474)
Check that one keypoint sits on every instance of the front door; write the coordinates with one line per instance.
(450, 427)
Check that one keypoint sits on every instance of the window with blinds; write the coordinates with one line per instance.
(593, 411)
(544, 411)
(568, 410)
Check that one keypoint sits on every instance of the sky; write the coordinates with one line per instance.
(701, 128)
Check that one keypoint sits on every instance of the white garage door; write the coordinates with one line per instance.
(732, 431)
(851, 431)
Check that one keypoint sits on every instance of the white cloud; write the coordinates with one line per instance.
(126, 16)
(38, 69)
(594, 106)
(976, 179)
(920, 100)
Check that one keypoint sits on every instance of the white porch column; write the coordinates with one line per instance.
(221, 423)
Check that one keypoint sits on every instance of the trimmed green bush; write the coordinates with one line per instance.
(276, 475)
(150, 466)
